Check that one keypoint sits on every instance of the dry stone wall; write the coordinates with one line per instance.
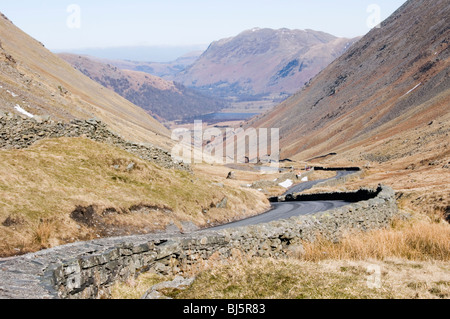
(17, 132)
(89, 269)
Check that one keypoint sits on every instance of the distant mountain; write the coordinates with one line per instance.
(387, 97)
(166, 100)
(263, 63)
(166, 70)
(159, 54)
(35, 81)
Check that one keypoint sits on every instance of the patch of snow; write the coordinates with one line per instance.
(412, 89)
(12, 93)
(21, 110)
(288, 183)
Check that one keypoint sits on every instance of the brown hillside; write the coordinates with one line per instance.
(394, 79)
(39, 82)
(263, 63)
(384, 104)
(165, 100)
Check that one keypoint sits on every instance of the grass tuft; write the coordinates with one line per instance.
(417, 240)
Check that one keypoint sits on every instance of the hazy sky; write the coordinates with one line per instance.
(113, 23)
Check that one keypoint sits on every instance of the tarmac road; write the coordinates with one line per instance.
(307, 185)
(286, 210)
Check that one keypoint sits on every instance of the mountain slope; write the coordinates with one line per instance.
(263, 63)
(40, 83)
(166, 100)
(394, 79)
(385, 106)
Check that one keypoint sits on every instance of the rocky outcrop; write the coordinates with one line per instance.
(17, 132)
(89, 269)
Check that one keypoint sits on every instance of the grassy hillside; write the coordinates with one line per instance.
(69, 189)
(383, 105)
(43, 84)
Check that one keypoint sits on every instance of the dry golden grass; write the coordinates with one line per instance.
(42, 233)
(421, 239)
(412, 258)
(266, 278)
(41, 186)
(321, 175)
(219, 173)
(259, 278)
(136, 288)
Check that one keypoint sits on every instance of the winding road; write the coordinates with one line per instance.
(307, 185)
(286, 210)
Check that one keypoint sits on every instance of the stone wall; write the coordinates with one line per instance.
(17, 132)
(88, 270)
(362, 194)
(334, 169)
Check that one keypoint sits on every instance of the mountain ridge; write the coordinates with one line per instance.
(391, 71)
(262, 63)
(163, 99)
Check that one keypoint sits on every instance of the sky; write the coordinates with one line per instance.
(63, 25)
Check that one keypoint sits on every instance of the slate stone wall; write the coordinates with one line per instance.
(17, 132)
(88, 270)
(356, 172)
